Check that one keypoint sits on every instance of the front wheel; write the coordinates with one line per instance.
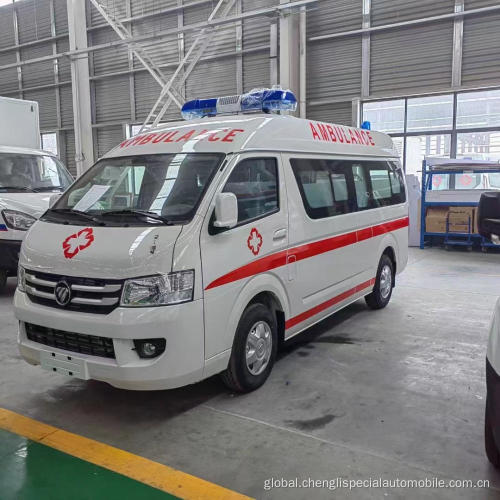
(254, 350)
(384, 282)
(490, 445)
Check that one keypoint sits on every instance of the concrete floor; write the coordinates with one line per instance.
(397, 393)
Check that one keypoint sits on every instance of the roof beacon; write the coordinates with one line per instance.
(274, 99)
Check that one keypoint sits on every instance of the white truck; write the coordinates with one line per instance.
(29, 177)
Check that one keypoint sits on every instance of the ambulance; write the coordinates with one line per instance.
(198, 247)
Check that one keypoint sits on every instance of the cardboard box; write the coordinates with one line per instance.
(461, 215)
(435, 220)
(458, 228)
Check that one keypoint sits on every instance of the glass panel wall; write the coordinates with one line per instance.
(454, 125)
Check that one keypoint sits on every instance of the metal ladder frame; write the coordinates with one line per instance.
(169, 93)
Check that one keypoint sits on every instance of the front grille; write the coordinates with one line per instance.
(98, 296)
(74, 342)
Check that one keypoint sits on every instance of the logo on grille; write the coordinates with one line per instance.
(62, 293)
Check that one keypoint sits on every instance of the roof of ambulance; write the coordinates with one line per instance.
(257, 132)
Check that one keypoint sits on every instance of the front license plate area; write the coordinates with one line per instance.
(65, 364)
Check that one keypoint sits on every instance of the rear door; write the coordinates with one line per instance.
(232, 257)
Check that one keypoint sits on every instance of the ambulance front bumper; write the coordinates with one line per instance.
(181, 325)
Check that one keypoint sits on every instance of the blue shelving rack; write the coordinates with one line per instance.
(431, 169)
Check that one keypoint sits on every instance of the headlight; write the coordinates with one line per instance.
(18, 220)
(20, 279)
(161, 290)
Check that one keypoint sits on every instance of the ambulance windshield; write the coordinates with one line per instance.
(119, 191)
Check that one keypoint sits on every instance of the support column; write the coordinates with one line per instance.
(80, 85)
(365, 50)
(289, 77)
(458, 36)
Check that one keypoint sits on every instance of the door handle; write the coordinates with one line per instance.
(279, 234)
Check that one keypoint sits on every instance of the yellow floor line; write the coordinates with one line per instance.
(139, 468)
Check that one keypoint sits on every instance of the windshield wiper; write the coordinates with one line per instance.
(141, 213)
(79, 213)
(18, 188)
(47, 188)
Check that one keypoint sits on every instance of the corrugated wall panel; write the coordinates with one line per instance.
(61, 16)
(334, 68)
(412, 59)
(108, 60)
(340, 112)
(325, 17)
(66, 96)
(46, 99)
(395, 11)
(112, 99)
(212, 78)
(333, 65)
(116, 8)
(223, 41)
(481, 60)
(39, 73)
(146, 93)
(70, 151)
(477, 4)
(33, 17)
(256, 70)
(108, 138)
(256, 30)
(8, 77)
(6, 27)
(140, 7)
(164, 52)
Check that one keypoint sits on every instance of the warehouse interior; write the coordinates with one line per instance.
(362, 404)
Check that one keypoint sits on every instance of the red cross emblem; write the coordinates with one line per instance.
(254, 241)
(78, 242)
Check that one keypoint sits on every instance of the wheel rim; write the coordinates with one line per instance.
(258, 347)
(385, 281)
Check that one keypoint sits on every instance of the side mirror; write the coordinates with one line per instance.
(226, 210)
(53, 198)
(488, 216)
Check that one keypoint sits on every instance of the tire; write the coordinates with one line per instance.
(489, 441)
(3, 279)
(257, 327)
(382, 291)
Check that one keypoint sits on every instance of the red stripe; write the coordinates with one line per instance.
(308, 250)
(327, 304)
(257, 266)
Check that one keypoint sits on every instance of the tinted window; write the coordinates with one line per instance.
(334, 187)
(255, 184)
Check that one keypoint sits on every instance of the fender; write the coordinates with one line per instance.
(388, 240)
(267, 282)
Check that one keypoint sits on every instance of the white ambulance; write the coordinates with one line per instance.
(198, 247)
(29, 178)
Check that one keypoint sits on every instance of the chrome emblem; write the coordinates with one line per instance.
(62, 293)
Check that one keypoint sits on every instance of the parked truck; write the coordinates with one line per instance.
(29, 178)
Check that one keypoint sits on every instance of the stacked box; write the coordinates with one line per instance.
(435, 219)
(459, 218)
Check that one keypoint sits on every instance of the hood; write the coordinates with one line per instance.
(34, 204)
(99, 252)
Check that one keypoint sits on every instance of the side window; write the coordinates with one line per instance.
(361, 186)
(381, 185)
(315, 186)
(397, 184)
(324, 186)
(255, 183)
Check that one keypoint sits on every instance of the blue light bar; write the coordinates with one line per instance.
(265, 100)
(366, 125)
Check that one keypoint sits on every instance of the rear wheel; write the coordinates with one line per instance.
(254, 350)
(489, 441)
(3, 279)
(384, 282)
